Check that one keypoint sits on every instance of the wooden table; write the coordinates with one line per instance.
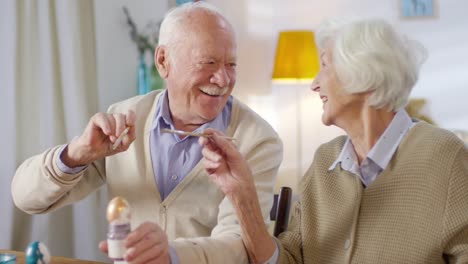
(54, 260)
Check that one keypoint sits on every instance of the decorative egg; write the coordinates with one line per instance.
(6, 258)
(37, 253)
(118, 211)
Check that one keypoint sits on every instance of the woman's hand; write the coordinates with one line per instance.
(224, 163)
(230, 171)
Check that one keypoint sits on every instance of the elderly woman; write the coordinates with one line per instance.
(393, 190)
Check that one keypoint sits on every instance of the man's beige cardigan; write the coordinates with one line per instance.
(195, 209)
(415, 211)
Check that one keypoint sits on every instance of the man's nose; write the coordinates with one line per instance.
(221, 77)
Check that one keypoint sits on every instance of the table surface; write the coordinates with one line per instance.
(54, 260)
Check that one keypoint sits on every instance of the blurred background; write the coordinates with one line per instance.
(63, 61)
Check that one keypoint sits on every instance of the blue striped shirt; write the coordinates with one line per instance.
(174, 157)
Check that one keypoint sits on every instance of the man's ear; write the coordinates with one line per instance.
(161, 61)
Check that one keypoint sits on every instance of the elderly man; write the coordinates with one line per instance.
(160, 173)
(393, 190)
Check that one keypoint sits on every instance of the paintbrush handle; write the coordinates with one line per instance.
(184, 133)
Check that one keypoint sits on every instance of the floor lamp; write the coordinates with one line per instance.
(296, 62)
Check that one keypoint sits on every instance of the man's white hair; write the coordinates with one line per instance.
(171, 21)
(370, 55)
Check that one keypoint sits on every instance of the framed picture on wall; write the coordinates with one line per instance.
(173, 3)
(417, 8)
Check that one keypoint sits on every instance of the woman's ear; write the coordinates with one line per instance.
(161, 61)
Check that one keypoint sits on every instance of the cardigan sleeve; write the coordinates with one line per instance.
(39, 186)
(290, 241)
(455, 243)
(225, 243)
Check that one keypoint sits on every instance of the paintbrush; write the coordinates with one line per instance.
(183, 133)
(120, 138)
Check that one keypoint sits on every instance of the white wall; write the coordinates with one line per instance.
(443, 82)
(444, 78)
(117, 55)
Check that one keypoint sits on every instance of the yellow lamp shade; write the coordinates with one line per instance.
(296, 58)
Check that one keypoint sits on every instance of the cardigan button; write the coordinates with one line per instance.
(347, 244)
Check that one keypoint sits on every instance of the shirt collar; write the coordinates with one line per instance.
(163, 117)
(383, 150)
(347, 157)
(162, 112)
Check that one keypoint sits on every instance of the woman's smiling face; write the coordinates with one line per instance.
(337, 103)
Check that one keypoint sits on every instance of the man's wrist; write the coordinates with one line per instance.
(66, 159)
(173, 258)
(64, 167)
(69, 154)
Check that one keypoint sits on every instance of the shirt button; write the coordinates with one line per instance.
(174, 177)
(347, 244)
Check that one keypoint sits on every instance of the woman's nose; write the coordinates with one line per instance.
(315, 86)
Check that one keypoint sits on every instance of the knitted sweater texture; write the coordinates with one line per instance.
(416, 210)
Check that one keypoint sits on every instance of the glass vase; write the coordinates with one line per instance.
(142, 76)
(155, 80)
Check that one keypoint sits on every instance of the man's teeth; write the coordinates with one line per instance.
(214, 91)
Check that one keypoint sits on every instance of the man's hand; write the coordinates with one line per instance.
(225, 164)
(146, 244)
(96, 141)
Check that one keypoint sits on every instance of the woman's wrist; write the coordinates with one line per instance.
(260, 246)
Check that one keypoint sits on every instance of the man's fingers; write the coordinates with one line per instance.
(103, 247)
(120, 124)
(146, 242)
(120, 139)
(130, 118)
(152, 246)
(129, 138)
(125, 131)
(138, 249)
(103, 122)
(114, 124)
(140, 232)
(126, 141)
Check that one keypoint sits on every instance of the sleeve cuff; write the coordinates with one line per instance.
(274, 258)
(64, 168)
(173, 255)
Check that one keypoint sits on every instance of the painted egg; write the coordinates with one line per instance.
(118, 211)
(37, 253)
